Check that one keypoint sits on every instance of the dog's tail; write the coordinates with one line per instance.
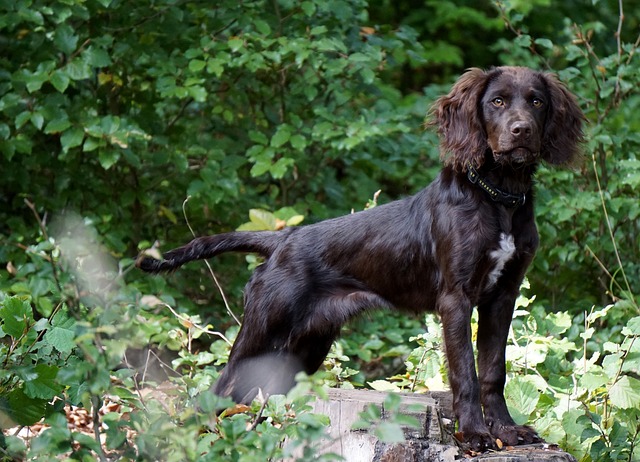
(260, 242)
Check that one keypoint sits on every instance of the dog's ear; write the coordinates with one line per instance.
(463, 138)
(563, 129)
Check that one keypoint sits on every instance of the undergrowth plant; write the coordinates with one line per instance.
(582, 396)
(77, 358)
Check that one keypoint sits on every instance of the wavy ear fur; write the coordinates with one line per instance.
(563, 130)
(457, 115)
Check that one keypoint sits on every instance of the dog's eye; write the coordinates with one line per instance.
(537, 102)
(498, 102)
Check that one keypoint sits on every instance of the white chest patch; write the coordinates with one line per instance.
(501, 256)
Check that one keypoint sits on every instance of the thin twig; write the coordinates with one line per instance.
(606, 271)
(213, 275)
(419, 369)
(189, 322)
(135, 382)
(166, 367)
(632, 52)
(611, 235)
(618, 35)
(43, 229)
(79, 50)
(619, 30)
(223, 28)
(95, 402)
(179, 114)
(258, 417)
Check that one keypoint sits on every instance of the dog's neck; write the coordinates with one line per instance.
(506, 185)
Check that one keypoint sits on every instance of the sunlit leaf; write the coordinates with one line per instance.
(625, 393)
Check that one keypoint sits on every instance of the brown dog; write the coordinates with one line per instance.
(466, 240)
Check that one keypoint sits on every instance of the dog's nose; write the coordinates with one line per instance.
(521, 129)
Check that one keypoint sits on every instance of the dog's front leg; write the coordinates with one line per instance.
(494, 319)
(455, 312)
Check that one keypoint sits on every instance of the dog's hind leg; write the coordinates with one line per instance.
(275, 343)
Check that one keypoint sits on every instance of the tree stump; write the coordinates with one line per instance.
(432, 441)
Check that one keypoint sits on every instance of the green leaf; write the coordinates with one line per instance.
(18, 408)
(262, 27)
(544, 43)
(62, 333)
(198, 93)
(308, 8)
(280, 167)
(573, 422)
(264, 219)
(60, 80)
(44, 385)
(37, 120)
(625, 393)
(262, 157)
(71, 138)
(168, 213)
(196, 65)
(110, 124)
(523, 41)
(295, 220)
(87, 441)
(16, 316)
(261, 167)
(96, 57)
(592, 381)
(64, 39)
(57, 126)
(298, 142)
(32, 15)
(235, 43)
(368, 75)
(108, 157)
(258, 137)
(632, 327)
(91, 144)
(249, 226)
(282, 135)
(522, 398)
(383, 385)
(22, 119)
(78, 69)
(215, 66)
(389, 432)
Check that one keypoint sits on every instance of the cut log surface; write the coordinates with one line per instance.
(432, 441)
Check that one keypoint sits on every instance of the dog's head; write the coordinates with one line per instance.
(517, 114)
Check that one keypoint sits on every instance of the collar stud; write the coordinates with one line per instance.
(495, 193)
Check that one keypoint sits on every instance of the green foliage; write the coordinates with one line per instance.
(391, 428)
(259, 435)
(590, 218)
(586, 400)
(31, 356)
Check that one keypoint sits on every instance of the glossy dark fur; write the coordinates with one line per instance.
(448, 248)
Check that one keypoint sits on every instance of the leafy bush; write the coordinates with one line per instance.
(583, 399)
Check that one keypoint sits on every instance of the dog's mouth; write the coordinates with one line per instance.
(516, 155)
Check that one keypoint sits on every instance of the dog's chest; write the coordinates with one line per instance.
(499, 258)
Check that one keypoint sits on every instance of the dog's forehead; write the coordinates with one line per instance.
(516, 80)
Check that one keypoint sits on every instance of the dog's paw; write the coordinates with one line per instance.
(514, 435)
(477, 441)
